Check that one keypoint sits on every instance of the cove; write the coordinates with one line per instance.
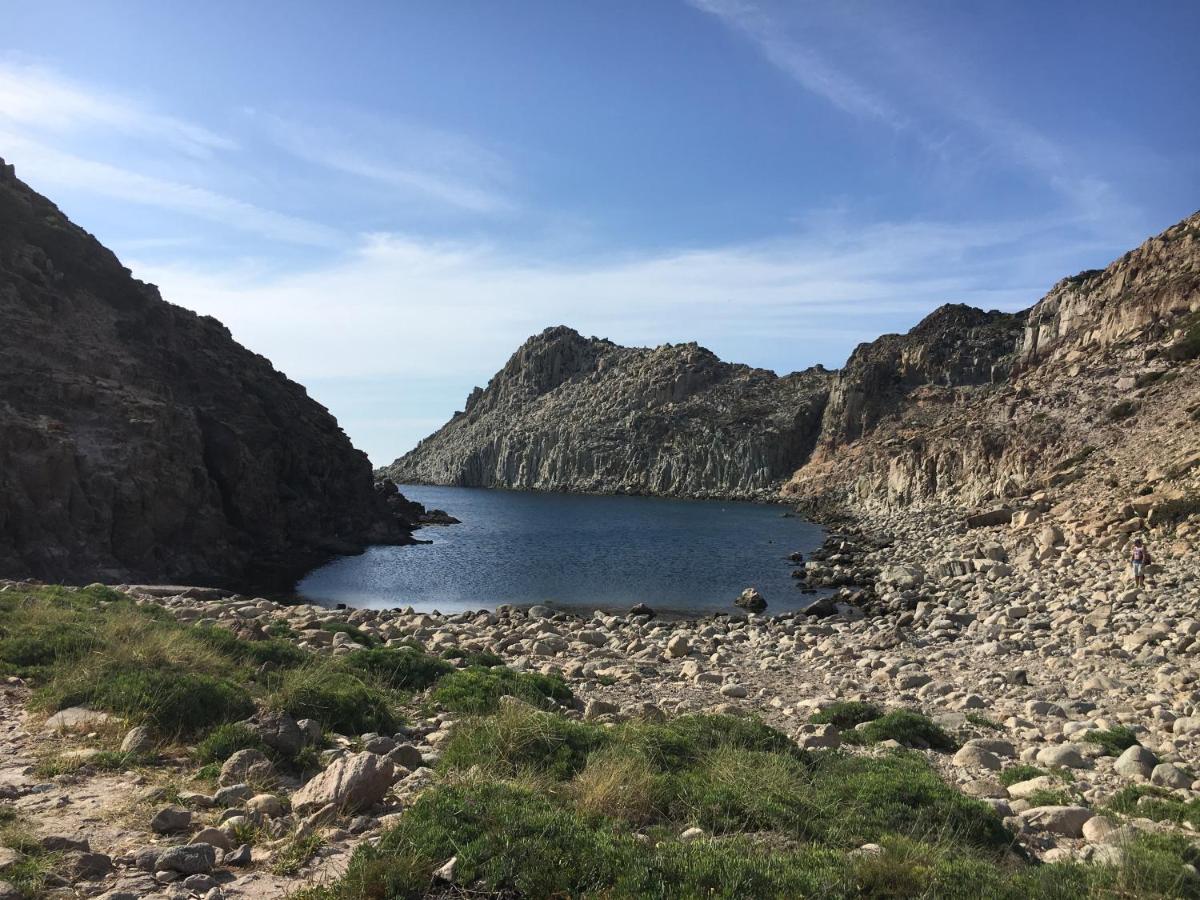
(576, 552)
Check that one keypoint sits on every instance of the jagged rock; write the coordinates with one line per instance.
(138, 740)
(279, 731)
(139, 441)
(1065, 820)
(751, 600)
(245, 766)
(171, 819)
(189, 859)
(583, 414)
(352, 783)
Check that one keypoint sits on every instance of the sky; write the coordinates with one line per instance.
(386, 199)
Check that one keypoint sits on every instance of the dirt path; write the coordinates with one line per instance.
(103, 818)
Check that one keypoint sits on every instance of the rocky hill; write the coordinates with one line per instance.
(966, 408)
(581, 414)
(1097, 380)
(140, 441)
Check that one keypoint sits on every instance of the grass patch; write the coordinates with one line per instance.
(535, 805)
(400, 668)
(906, 727)
(1152, 802)
(104, 761)
(276, 651)
(31, 873)
(477, 690)
(225, 740)
(341, 699)
(295, 854)
(1020, 772)
(1115, 741)
(1051, 798)
(847, 714)
(466, 658)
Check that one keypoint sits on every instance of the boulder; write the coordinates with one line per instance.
(171, 819)
(279, 731)
(190, 859)
(353, 783)
(139, 740)
(751, 600)
(1136, 760)
(1067, 821)
(245, 766)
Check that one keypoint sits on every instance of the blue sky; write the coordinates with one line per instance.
(387, 198)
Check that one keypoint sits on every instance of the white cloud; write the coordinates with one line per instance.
(42, 100)
(46, 167)
(408, 158)
(802, 62)
(401, 306)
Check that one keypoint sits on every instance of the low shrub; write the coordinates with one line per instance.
(400, 668)
(478, 690)
(1018, 773)
(847, 714)
(276, 651)
(224, 741)
(908, 728)
(172, 701)
(342, 700)
(1115, 741)
(520, 740)
(467, 658)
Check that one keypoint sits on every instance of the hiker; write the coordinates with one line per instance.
(1140, 559)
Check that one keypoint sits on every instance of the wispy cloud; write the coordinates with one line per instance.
(918, 84)
(42, 100)
(413, 160)
(802, 62)
(46, 167)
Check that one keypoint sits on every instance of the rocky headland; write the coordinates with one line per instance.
(569, 413)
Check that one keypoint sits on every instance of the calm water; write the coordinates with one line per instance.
(579, 552)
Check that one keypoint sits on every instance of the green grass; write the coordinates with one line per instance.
(1152, 802)
(341, 699)
(225, 740)
(31, 874)
(535, 805)
(276, 651)
(1020, 772)
(104, 761)
(484, 658)
(295, 854)
(1052, 798)
(401, 668)
(477, 690)
(846, 714)
(1115, 741)
(908, 728)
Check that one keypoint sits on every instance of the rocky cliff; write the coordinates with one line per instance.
(581, 414)
(139, 441)
(968, 407)
(1099, 376)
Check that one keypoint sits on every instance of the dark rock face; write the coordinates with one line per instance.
(954, 346)
(581, 414)
(139, 441)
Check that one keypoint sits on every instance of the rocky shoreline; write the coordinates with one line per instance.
(1066, 687)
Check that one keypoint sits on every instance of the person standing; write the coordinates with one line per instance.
(1140, 558)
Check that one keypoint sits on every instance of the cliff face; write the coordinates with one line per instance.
(139, 441)
(581, 414)
(1094, 380)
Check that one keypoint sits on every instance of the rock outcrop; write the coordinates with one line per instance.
(968, 407)
(572, 413)
(997, 407)
(140, 442)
